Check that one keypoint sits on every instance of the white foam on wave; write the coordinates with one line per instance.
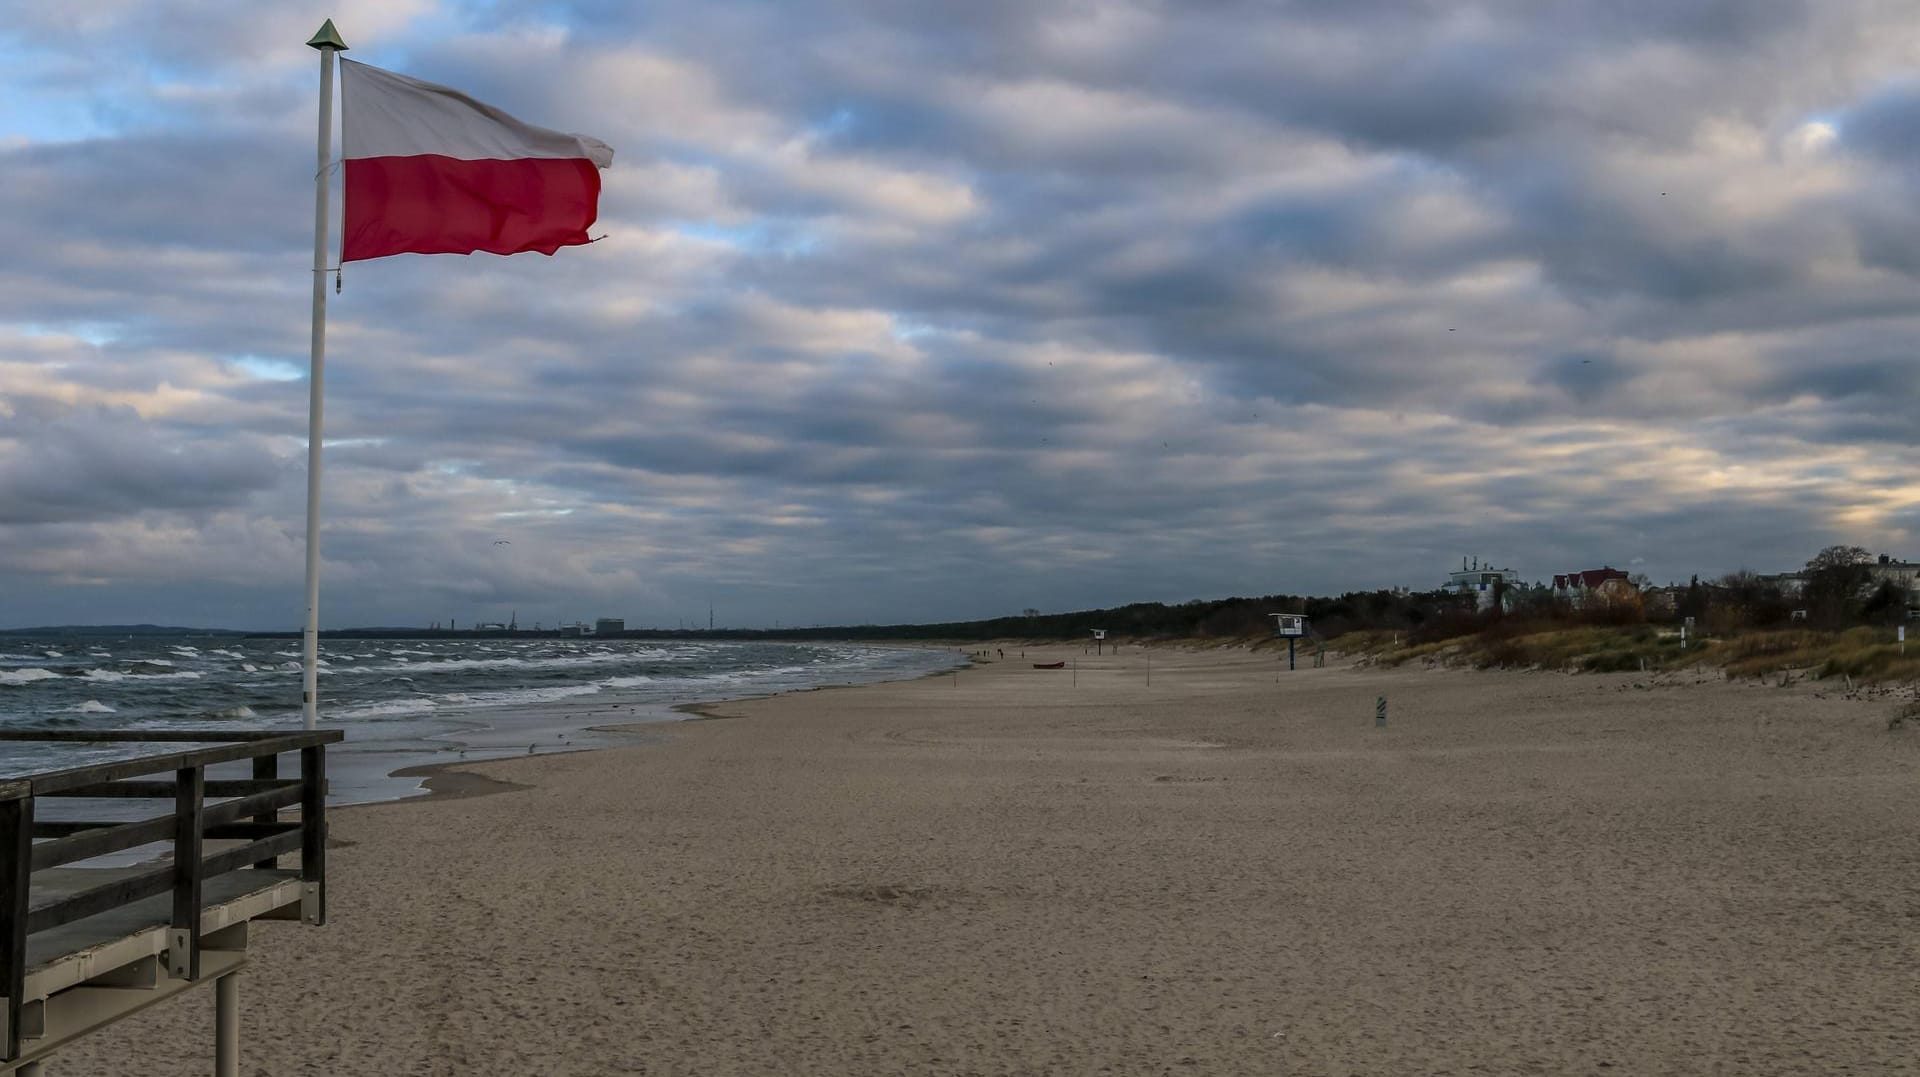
(471, 665)
(288, 654)
(26, 676)
(53, 654)
(242, 711)
(626, 682)
(249, 667)
(150, 661)
(91, 706)
(111, 675)
(395, 708)
(224, 653)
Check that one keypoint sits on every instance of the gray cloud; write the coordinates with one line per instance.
(916, 311)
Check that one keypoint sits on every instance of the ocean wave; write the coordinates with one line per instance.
(92, 706)
(472, 665)
(26, 676)
(225, 653)
(240, 712)
(413, 705)
(150, 662)
(109, 676)
(626, 682)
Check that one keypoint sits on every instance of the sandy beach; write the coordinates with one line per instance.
(1228, 871)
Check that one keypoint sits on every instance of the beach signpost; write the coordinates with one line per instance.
(1289, 626)
(1099, 640)
(427, 170)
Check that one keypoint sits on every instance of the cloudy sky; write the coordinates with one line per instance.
(914, 311)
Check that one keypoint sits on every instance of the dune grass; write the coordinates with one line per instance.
(1864, 655)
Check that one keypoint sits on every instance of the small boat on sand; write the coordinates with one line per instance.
(1049, 665)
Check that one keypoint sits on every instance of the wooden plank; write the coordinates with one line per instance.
(121, 790)
(60, 828)
(49, 782)
(16, 853)
(251, 830)
(227, 860)
(98, 899)
(183, 942)
(80, 840)
(262, 806)
(52, 854)
(295, 738)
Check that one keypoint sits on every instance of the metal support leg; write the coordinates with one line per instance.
(31, 1069)
(226, 1026)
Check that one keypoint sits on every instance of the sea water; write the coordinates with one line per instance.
(403, 702)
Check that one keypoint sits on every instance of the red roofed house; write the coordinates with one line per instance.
(1605, 586)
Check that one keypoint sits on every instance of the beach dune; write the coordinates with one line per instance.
(1072, 872)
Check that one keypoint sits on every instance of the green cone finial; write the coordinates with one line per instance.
(327, 38)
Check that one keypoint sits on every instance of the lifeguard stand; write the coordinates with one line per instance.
(1290, 627)
(88, 937)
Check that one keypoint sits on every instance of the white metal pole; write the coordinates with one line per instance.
(226, 1026)
(310, 675)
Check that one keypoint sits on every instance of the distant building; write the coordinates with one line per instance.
(573, 630)
(1663, 601)
(607, 626)
(1603, 586)
(1904, 573)
(1483, 582)
(1791, 584)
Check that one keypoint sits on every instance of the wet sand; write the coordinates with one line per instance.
(1229, 871)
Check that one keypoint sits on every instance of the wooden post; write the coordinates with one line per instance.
(1289, 652)
(267, 768)
(313, 835)
(183, 941)
(16, 873)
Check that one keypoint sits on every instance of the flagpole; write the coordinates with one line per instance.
(327, 40)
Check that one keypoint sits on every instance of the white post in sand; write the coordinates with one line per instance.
(327, 40)
(226, 1026)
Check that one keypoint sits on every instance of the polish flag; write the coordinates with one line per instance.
(432, 171)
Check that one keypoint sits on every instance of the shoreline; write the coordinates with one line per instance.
(607, 720)
(450, 780)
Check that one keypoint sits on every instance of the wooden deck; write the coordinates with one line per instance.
(90, 973)
(84, 944)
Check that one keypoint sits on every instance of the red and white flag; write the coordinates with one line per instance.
(430, 170)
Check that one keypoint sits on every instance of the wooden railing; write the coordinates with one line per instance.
(247, 812)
